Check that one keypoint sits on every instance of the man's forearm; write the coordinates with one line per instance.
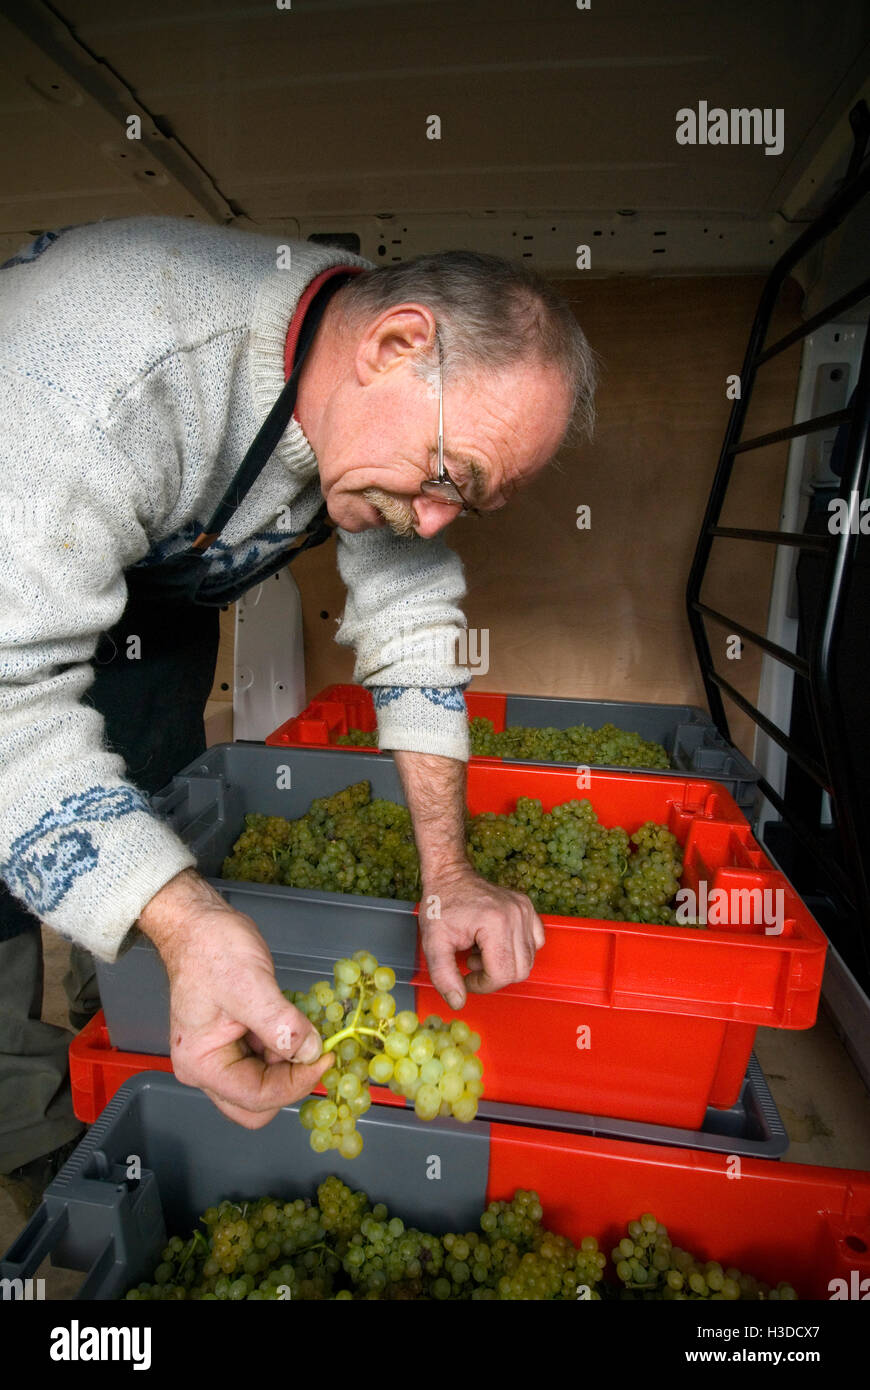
(435, 794)
(163, 918)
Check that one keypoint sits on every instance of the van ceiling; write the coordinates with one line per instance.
(315, 117)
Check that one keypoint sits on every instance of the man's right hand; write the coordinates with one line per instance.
(232, 1032)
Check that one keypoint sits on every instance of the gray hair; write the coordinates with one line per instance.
(490, 313)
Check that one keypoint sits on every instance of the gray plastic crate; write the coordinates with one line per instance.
(206, 805)
(751, 1128)
(94, 1218)
(686, 732)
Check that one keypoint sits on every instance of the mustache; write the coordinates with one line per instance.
(398, 515)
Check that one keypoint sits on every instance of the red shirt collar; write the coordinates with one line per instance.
(305, 299)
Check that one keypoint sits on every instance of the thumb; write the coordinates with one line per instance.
(282, 1028)
(445, 973)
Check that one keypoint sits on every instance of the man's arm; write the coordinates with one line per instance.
(79, 844)
(458, 908)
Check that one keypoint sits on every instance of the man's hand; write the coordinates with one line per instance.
(501, 926)
(232, 1032)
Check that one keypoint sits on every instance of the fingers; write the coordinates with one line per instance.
(538, 931)
(504, 955)
(251, 1091)
(279, 1027)
(444, 972)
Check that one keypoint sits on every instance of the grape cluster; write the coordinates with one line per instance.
(434, 1064)
(357, 738)
(650, 1266)
(579, 745)
(345, 843)
(342, 1247)
(572, 866)
(264, 1249)
(536, 1264)
(564, 860)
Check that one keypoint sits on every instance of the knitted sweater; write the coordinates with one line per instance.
(138, 359)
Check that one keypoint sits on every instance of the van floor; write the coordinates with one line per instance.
(817, 1089)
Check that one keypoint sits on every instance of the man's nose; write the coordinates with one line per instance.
(432, 517)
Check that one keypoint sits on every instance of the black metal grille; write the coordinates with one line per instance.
(842, 876)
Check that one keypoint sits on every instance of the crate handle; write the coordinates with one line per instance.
(34, 1243)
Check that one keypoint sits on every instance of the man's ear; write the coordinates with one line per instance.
(393, 338)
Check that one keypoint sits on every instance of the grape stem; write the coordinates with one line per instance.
(349, 1032)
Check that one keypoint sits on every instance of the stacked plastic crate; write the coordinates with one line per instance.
(625, 1038)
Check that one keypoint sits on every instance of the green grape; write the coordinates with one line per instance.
(427, 1102)
(347, 971)
(465, 1108)
(325, 1114)
(381, 1068)
(451, 1086)
(405, 1071)
(422, 1048)
(452, 1059)
(383, 1006)
(349, 1085)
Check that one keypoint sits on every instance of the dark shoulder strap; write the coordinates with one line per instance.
(274, 424)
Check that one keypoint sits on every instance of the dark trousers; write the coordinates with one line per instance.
(152, 695)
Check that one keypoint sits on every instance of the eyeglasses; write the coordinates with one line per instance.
(443, 488)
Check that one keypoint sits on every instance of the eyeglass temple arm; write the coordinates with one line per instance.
(440, 410)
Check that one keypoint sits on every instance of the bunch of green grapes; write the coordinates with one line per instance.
(650, 1266)
(565, 860)
(342, 1247)
(570, 865)
(357, 738)
(579, 745)
(345, 843)
(433, 1064)
(263, 1249)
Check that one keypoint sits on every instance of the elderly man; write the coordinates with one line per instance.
(153, 472)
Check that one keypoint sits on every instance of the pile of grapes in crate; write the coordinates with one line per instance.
(564, 860)
(579, 744)
(342, 1247)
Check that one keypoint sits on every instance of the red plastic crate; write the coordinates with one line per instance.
(340, 708)
(807, 1225)
(671, 1011)
(97, 1069)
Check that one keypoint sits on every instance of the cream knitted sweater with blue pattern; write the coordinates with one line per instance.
(138, 359)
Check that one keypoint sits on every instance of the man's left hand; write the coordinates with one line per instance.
(501, 926)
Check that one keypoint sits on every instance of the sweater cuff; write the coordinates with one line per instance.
(91, 881)
(423, 719)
